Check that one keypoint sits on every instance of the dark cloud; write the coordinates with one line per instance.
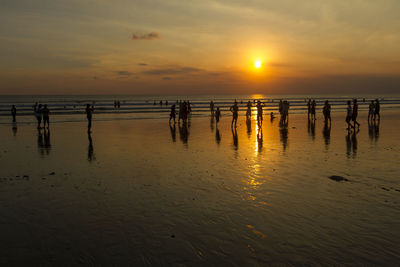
(167, 78)
(124, 73)
(148, 36)
(172, 71)
(143, 64)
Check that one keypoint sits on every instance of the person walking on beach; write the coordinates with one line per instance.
(313, 108)
(280, 107)
(371, 110)
(14, 113)
(349, 115)
(355, 113)
(235, 110)
(377, 110)
(212, 107)
(285, 113)
(259, 112)
(326, 110)
(38, 114)
(89, 112)
(217, 115)
(248, 112)
(172, 114)
(45, 113)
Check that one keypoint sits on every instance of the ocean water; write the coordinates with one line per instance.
(140, 107)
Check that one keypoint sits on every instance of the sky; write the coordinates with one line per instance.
(199, 47)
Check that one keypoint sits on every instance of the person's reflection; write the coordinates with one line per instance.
(327, 134)
(217, 135)
(14, 128)
(172, 128)
(47, 143)
(90, 156)
(183, 133)
(235, 138)
(351, 143)
(373, 130)
(248, 123)
(284, 137)
(40, 141)
(260, 139)
(212, 123)
(376, 129)
(311, 128)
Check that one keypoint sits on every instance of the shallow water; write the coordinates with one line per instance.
(140, 192)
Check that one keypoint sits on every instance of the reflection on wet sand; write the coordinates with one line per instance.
(217, 136)
(183, 132)
(235, 138)
(172, 129)
(91, 156)
(351, 143)
(326, 132)
(284, 137)
(14, 128)
(248, 124)
(43, 141)
(311, 129)
(260, 139)
(212, 123)
(373, 130)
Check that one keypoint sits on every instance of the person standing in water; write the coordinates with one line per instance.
(172, 114)
(259, 112)
(14, 113)
(217, 115)
(212, 107)
(349, 115)
(235, 112)
(89, 112)
(313, 108)
(308, 108)
(46, 119)
(377, 110)
(355, 113)
(326, 110)
(371, 110)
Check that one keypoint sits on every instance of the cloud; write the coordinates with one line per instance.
(172, 71)
(143, 64)
(167, 78)
(124, 73)
(148, 36)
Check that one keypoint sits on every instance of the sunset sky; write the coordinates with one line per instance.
(199, 47)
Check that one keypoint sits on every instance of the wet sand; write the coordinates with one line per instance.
(137, 192)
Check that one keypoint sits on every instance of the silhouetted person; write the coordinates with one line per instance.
(248, 111)
(180, 113)
(89, 113)
(14, 113)
(90, 156)
(377, 110)
(371, 110)
(285, 113)
(313, 108)
(272, 116)
(46, 119)
(212, 107)
(235, 113)
(326, 110)
(280, 107)
(172, 115)
(259, 112)
(217, 135)
(38, 114)
(349, 115)
(166, 102)
(172, 128)
(355, 114)
(217, 115)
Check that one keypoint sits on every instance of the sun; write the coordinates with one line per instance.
(257, 64)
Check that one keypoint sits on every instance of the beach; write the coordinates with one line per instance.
(142, 192)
